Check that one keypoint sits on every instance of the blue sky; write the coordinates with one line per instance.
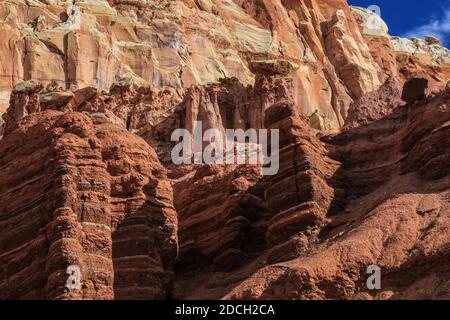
(414, 18)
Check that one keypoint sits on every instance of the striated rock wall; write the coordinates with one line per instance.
(232, 220)
(377, 193)
(85, 192)
(375, 105)
(395, 179)
(86, 177)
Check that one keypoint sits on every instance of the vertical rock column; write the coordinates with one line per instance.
(24, 100)
(80, 233)
(299, 196)
(72, 47)
(64, 234)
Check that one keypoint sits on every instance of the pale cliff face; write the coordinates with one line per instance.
(177, 44)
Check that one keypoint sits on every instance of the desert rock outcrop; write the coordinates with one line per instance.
(177, 44)
(91, 91)
(87, 193)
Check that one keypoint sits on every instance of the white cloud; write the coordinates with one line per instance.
(438, 27)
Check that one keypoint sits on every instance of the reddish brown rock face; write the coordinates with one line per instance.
(87, 181)
(86, 193)
(335, 207)
(414, 90)
(375, 105)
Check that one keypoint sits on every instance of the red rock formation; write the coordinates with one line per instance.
(221, 213)
(397, 216)
(86, 177)
(334, 207)
(87, 193)
(25, 100)
(323, 202)
(375, 105)
(325, 211)
(230, 217)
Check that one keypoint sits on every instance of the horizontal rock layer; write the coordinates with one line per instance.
(84, 192)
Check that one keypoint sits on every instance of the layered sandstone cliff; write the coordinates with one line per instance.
(177, 44)
(85, 192)
(376, 194)
(86, 177)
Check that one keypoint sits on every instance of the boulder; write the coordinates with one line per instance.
(414, 90)
(28, 87)
(56, 100)
(430, 40)
(273, 67)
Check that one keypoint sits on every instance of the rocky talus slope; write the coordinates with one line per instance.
(91, 91)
